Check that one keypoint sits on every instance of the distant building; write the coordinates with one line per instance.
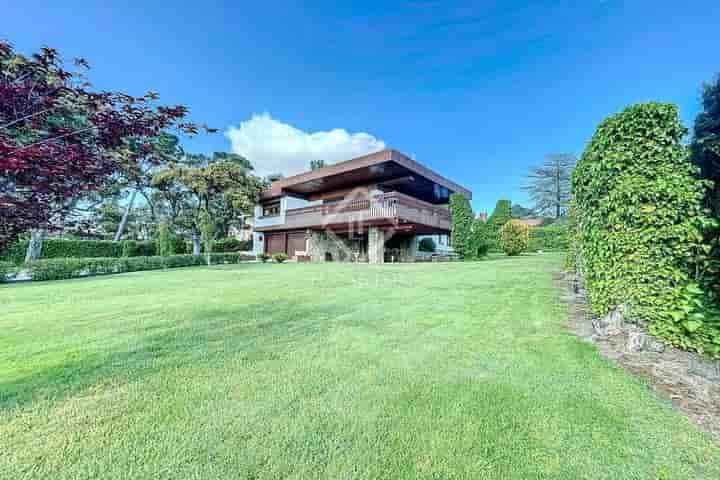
(532, 222)
(482, 216)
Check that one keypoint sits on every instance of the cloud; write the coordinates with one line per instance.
(276, 147)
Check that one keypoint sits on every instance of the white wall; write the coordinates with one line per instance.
(286, 203)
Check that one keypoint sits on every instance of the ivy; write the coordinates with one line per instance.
(638, 227)
(462, 222)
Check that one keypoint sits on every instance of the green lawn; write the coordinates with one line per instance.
(437, 371)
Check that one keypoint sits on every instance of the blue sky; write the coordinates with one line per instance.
(478, 91)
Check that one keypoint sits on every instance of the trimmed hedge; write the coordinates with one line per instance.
(638, 227)
(231, 245)
(550, 238)
(6, 268)
(64, 248)
(64, 268)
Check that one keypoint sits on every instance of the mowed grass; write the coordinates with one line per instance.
(266, 371)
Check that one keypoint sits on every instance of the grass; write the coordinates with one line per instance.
(266, 371)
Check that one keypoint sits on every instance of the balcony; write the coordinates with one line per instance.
(391, 208)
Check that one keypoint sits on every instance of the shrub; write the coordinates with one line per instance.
(264, 257)
(551, 238)
(499, 217)
(279, 257)
(479, 242)
(637, 227)
(63, 268)
(427, 244)
(514, 237)
(165, 245)
(6, 268)
(231, 245)
(462, 220)
(129, 248)
(67, 248)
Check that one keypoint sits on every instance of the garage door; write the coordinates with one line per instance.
(275, 243)
(295, 243)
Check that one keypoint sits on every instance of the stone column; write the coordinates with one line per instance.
(317, 246)
(376, 245)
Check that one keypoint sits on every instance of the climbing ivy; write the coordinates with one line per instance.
(638, 227)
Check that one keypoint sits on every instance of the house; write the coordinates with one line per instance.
(372, 208)
(532, 222)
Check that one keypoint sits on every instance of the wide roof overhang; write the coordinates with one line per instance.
(388, 169)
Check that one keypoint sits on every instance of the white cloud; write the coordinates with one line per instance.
(273, 146)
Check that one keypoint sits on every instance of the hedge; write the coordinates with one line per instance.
(639, 224)
(550, 238)
(232, 245)
(65, 248)
(64, 268)
(6, 268)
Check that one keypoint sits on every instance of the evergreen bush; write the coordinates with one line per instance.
(427, 244)
(462, 221)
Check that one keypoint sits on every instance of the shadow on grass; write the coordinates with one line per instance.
(256, 332)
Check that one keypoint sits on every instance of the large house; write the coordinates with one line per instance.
(373, 209)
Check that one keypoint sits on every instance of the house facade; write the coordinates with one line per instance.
(373, 208)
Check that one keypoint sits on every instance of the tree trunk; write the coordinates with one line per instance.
(196, 244)
(34, 250)
(126, 215)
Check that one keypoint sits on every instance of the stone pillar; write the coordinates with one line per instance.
(376, 245)
(317, 246)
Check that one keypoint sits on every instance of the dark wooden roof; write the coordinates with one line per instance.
(384, 166)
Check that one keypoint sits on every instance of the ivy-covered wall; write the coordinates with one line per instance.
(639, 225)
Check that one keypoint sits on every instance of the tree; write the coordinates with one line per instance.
(315, 164)
(60, 140)
(499, 217)
(549, 186)
(518, 211)
(462, 220)
(705, 145)
(221, 191)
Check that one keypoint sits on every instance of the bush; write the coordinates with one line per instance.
(264, 257)
(64, 268)
(279, 257)
(462, 220)
(551, 238)
(66, 248)
(638, 225)
(514, 237)
(165, 245)
(427, 244)
(499, 217)
(479, 242)
(6, 268)
(129, 248)
(231, 245)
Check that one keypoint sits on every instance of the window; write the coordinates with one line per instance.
(271, 209)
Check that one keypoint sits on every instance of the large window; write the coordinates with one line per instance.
(271, 209)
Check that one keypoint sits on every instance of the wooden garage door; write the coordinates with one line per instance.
(295, 243)
(275, 243)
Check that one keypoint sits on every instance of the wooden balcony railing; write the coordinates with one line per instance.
(392, 206)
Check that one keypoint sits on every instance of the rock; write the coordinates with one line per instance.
(707, 369)
(612, 323)
(638, 341)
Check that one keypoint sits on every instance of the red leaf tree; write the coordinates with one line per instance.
(61, 140)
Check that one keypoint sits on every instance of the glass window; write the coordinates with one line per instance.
(271, 209)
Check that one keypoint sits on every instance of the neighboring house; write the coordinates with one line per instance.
(373, 208)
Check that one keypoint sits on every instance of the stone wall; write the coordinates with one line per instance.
(324, 247)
